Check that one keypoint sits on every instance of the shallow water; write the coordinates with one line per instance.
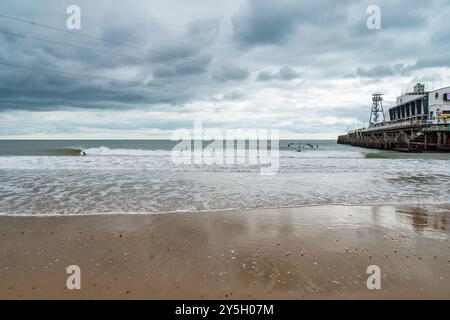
(49, 177)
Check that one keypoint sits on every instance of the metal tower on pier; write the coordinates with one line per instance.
(377, 109)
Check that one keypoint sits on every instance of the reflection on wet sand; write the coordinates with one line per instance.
(423, 219)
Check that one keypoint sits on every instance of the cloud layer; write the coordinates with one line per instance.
(307, 68)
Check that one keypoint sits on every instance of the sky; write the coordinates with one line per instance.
(306, 68)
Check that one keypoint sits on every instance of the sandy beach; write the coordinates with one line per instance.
(295, 253)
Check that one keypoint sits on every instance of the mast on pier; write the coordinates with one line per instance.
(377, 109)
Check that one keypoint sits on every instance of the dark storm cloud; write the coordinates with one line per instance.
(215, 56)
(173, 65)
(261, 23)
(34, 90)
(257, 22)
(89, 97)
(265, 22)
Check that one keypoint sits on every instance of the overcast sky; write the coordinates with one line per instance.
(307, 68)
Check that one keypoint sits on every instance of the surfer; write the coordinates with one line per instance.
(83, 153)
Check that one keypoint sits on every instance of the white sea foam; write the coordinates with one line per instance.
(105, 151)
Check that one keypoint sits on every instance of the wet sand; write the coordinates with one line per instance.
(299, 253)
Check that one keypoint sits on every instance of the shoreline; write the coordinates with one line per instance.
(422, 206)
(311, 252)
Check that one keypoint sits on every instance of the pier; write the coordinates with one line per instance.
(420, 121)
(407, 136)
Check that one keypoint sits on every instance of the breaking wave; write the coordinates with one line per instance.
(105, 151)
(64, 151)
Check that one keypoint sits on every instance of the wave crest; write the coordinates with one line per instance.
(105, 151)
(65, 151)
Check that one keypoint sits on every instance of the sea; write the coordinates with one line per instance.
(68, 177)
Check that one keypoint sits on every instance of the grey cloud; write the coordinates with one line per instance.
(232, 74)
(263, 22)
(265, 76)
(285, 74)
(190, 45)
(161, 60)
(36, 92)
(396, 16)
(440, 60)
(234, 95)
(328, 39)
(266, 22)
(379, 71)
(182, 69)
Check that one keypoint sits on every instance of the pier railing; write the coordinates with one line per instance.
(401, 124)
